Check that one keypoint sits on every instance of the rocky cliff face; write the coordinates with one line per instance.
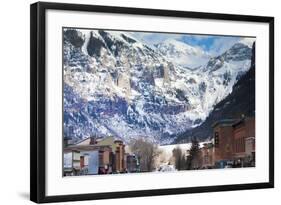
(116, 85)
(241, 101)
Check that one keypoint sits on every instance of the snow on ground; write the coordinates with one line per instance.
(168, 149)
(186, 146)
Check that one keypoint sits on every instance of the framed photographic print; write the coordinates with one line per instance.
(129, 102)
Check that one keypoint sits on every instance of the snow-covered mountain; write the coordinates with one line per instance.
(240, 102)
(182, 54)
(116, 85)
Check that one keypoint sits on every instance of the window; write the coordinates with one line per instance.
(216, 139)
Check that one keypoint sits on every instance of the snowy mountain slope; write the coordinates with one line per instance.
(182, 54)
(241, 101)
(116, 85)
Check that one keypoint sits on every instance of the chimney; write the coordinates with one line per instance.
(67, 141)
(93, 140)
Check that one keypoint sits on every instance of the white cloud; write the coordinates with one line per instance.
(222, 44)
(154, 38)
(218, 46)
(248, 41)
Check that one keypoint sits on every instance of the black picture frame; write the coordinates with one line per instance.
(38, 100)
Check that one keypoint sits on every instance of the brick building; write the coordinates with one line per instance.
(234, 142)
(96, 156)
(244, 141)
(120, 159)
(223, 140)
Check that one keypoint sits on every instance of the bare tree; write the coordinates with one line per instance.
(147, 152)
(163, 157)
(179, 158)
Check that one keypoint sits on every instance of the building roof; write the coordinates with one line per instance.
(88, 140)
(100, 143)
(84, 141)
(224, 122)
(238, 122)
(86, 147)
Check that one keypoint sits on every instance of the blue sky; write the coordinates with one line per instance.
(215, 45)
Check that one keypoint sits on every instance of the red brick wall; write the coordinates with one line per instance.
(239, 139)
(250, 127)
(241, 132)
(224, 149)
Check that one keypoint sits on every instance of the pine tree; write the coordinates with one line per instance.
(193, 154)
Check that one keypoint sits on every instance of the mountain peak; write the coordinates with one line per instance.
(182, 54)
(179, 45)
(116, 85)
(247, 41)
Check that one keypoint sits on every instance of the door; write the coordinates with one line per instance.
(82, 161)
